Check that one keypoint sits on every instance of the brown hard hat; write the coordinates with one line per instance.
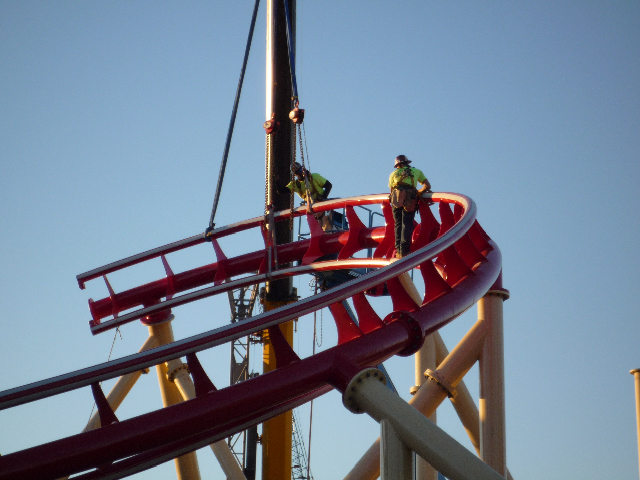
(400, 159)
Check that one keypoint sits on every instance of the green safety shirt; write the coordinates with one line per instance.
(316, 184)
(407, 176)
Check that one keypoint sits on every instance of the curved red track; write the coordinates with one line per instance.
(458, 262)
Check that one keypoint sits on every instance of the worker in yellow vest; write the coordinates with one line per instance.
(319, 188)
(404, 198)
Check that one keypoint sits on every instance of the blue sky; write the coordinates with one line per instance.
(113, 121)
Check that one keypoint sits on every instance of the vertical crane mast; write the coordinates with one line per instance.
(277, 432)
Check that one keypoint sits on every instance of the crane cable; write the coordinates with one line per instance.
(296, 102)
(225, 155)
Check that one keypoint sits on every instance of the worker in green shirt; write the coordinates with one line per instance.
(404, 199)
(319, 188)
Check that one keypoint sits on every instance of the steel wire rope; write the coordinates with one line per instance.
(232, 122)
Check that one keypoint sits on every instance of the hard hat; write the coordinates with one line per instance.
(296, 167)
(400, 159)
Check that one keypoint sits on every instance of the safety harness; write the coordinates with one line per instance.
(404, 195)
(406, 172)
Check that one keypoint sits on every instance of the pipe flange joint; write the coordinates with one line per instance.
(500, 292)
(416, 337)
(440, 380)
(413, 390)
(350, 395)
(171, 374)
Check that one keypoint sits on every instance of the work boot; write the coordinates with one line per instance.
(398, 255)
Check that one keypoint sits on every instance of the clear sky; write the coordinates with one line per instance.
(113, 122)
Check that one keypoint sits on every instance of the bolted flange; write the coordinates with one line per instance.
(440, 380)
(350, 395)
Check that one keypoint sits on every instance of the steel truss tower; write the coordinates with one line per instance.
(243, 444)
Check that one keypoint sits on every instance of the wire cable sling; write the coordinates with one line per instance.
(292, 65)
(227, 145)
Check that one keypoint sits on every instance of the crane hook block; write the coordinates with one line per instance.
(296, 115)
(271, 126)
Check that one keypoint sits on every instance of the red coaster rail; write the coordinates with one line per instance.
(458, 262)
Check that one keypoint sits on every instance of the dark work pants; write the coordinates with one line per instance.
(404, 229)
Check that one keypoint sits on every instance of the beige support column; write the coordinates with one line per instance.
(463, 402)
(425, 359)
(493, 448)
(179, 374)
(186, 465)
(396, 460)
(432, 393)
(636, 375)
(367, 393)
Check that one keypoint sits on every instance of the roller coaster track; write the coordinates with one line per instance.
(458, 262)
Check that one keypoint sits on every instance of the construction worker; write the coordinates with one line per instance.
(319, 188)
(404, 199)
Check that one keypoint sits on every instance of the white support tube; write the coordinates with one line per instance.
(367, 393)
(178, 372)
(425, 358)
(463, 402)
(395, 458)
(430, 395)
(493, 448)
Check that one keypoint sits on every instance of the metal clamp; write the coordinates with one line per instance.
(171, 374)
(440, 380)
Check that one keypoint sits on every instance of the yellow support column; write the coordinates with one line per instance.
(186, 465)
(277, 432)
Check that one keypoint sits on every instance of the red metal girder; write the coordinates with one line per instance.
(434, 284)
(222, 262)
(446, 218)
(315, 250)
(478, 239)
(201, 381)
(429, 227)
(107, 417)
(455, 269)
(283, 351)
(399, 297)
(368, 319)
(115, 307)
(388, 241)
(347, 328)
(171, 287)
(468, 252)
(356, 232)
